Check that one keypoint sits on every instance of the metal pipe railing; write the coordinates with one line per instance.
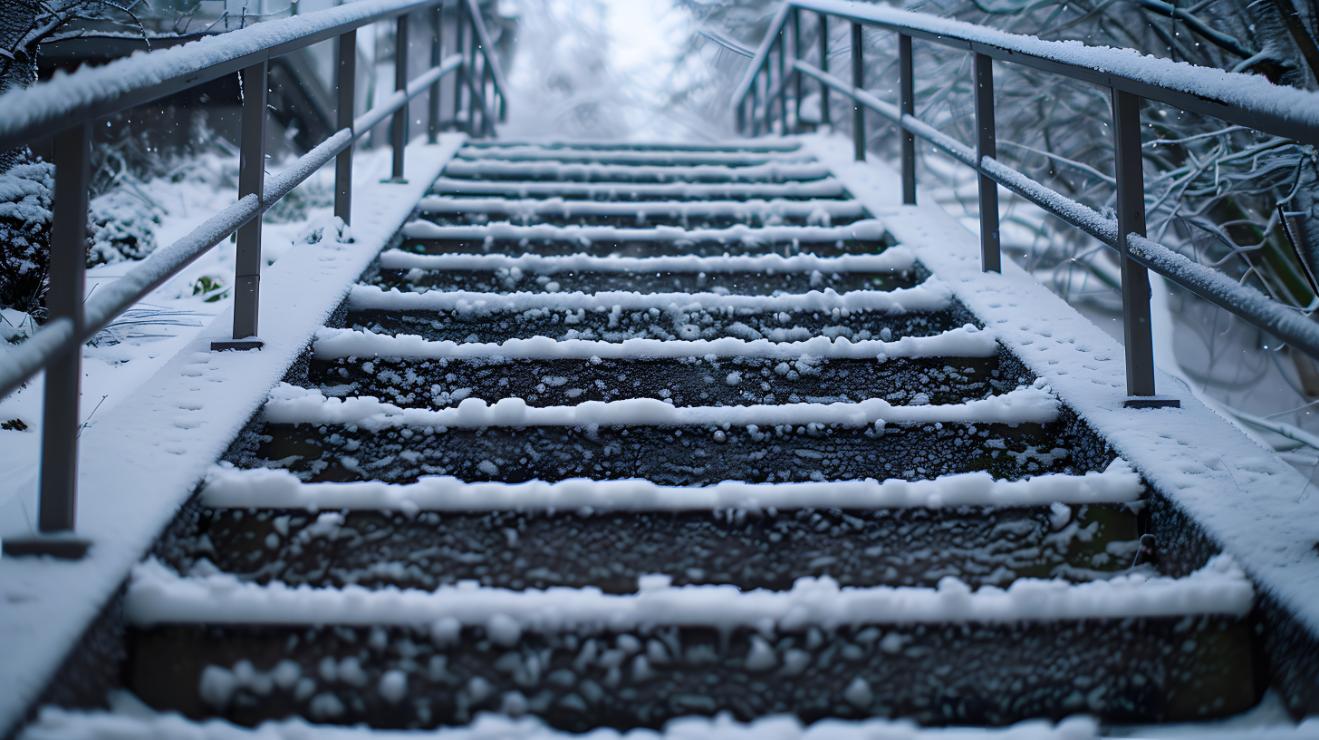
(1129, 78)
(68, 109)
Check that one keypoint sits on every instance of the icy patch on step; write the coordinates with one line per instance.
(893, 259)
(291, 404)
(268, 488)
(158, 595)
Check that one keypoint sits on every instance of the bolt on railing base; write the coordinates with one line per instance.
(1151, 402)
(236, 345)
(61, 546)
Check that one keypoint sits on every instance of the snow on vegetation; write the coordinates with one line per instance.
(267, 488)
(290, 404)
(158, 595)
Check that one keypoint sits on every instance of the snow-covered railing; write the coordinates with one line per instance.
(68, 107)
(761, 103)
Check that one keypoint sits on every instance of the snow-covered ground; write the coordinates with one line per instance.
(131, 349)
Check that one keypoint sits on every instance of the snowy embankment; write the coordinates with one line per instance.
(264, 488)
(133, 347)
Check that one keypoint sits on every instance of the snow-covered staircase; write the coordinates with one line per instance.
(617, 434)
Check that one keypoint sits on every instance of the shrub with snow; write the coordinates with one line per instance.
(25, 216)
(123, 227)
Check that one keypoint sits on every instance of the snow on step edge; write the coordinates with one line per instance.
(560, 169)
(628, 156)
(931, 295)
(825, 188)
(966, 341)
(291, 404)
(868, 230)
(62, 724)
(818, 211)
(158, 595)
(893, 259)
(267, 488)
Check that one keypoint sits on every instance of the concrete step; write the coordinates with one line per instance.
(213, 646)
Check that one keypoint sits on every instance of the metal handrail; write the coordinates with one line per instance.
(1131, 78)
(69, 108)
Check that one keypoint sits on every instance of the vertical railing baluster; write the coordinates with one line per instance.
(991, 259)
(767, 114)
(57, 510)
(345, 82)
(399, 126)
(754, 105)
(255, 82)
(1137, 329)
(487, 97)
(798, 91)
(740, 117)
(437, 54)
(783, 82)
(907, 100)
(826, 116)
(459, 47)
(472, 77)
(858, 84)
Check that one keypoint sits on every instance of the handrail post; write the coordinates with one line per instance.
(782, 82)
(754, 105)
(459, 47)
(1136, 325)
(826, 116)
(907, 100)
(60, 405)
(798, 92)
(471, 81)
(487, 97)
(740, 114)
(991, 259)
(345, 83)
(255, 82)
(398, 128)
(858, 82)
(437, 54)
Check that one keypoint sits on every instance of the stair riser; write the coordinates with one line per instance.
(687, 382)
(1119, 670)
(679, 174)
(633, 324)
(610, 551)
(739, 283)
(603, 247)
(668, 456)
